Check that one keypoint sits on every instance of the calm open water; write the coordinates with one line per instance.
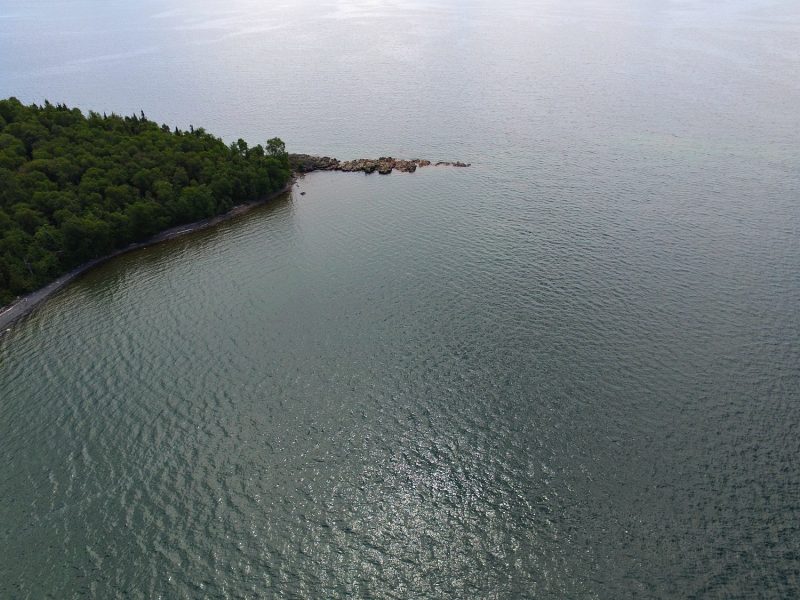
(570, 371)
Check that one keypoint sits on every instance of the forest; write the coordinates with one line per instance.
(75, 187)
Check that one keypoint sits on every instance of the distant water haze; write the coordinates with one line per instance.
(569, 371)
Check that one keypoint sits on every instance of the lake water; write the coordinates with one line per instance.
(569, 371)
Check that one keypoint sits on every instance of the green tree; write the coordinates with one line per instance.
(276, 148)
(75, 186)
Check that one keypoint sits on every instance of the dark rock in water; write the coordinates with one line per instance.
(306, 163)
(405, 166)
(302, 193)
(452, 164)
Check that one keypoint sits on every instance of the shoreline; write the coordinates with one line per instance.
(302, 164)
(26, 304)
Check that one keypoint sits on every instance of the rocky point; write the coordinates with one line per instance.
(306, 163)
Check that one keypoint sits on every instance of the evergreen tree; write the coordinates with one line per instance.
(74, 187)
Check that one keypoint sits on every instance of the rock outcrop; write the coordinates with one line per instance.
(306, 163)
(451, 164)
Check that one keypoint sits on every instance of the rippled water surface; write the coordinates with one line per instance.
(570, 371)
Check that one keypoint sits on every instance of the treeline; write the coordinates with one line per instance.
(75, 187)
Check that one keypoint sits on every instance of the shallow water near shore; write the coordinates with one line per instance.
(570, 370)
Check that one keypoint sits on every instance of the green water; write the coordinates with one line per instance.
(571, 370)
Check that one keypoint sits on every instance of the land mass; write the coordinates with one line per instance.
(77, 187)
(76, 190)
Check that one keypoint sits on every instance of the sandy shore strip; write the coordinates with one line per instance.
(26, 304)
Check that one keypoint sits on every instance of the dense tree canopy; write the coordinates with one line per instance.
(74, 187)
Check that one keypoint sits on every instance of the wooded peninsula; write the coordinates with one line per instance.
(75, 187)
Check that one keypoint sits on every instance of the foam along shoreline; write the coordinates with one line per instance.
(26, 304)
